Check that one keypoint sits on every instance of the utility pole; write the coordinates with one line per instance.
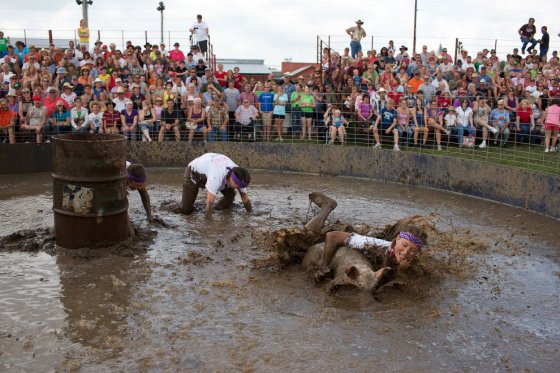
(160, 9)
(414, 37)
(84, 4)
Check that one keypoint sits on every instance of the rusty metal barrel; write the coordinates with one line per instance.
(89, 190)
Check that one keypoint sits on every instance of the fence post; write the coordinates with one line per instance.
(146, 36)
(98, 35)
(371, 43)
(122, 39)
(496, 46)
(75, 38)
(25, 36)
(168, 40)
(50, 37)
(456, 49)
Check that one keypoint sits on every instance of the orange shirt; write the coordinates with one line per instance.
(415, 84)
(6, 117)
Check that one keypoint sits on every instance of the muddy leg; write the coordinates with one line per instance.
(190, 191)
(227, 199)
(326, 204)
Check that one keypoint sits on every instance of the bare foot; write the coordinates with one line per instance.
(322, 200)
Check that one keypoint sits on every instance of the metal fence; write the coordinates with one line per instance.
(518, 151)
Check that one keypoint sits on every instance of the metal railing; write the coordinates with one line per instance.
(518, 151)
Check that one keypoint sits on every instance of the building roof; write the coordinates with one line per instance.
(40, 42)
(246, 66)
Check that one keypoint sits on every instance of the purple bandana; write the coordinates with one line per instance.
(135, 178)
(412, 238)
(234, 177)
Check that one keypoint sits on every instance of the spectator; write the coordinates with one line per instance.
(4, 42)
(499, 119)
(233, 99)
(95, 118)
(195, 120)
(525, 123)
(129, 121)
(465, 123)
(7, 121)
(195, 50)
(111, 119)
(217, 120)
(551, 120)
(337, 124)
(527, 33)
(308, 104)
(36, 119)
(59, 120)
(245, 116)
(146, 120)
(544, 42)
(482, 112)
(52, 99)
(200, 30)
(434, 120)
(279, 111)
(356, 33)
(79, 117)
(221, 75)
(170, 120)
(266, 106)
(176, 54)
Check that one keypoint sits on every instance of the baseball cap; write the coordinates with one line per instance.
(37, 98)
(61, 70)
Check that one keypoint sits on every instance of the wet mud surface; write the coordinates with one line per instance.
(186, 296)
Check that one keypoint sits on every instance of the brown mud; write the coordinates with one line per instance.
(484, 295)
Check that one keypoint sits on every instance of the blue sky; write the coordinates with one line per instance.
(276, 30)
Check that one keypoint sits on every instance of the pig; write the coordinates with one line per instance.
(349, 267)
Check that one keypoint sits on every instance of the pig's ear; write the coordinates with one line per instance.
(352, 272)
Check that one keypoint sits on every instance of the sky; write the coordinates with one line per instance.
(288, 29)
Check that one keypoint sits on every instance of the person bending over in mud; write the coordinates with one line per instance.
(216, 173)
(342, 250)
(136, 178)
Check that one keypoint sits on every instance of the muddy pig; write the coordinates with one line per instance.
(349, 267)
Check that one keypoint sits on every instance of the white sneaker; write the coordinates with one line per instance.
(48, 141)
(493, 130)
(331, 142)
(482, 145)
(546, 150)
(396, 148)
(439, 147)
(376, 146)
(552, 150)
(446, 132)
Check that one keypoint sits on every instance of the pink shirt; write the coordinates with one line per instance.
(553, 115)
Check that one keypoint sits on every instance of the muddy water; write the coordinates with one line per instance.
(193, 302)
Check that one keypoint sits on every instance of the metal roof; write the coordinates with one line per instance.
(246, 66)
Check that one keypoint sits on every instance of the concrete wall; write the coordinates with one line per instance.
(522, 188)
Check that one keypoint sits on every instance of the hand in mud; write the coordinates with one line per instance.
(382, 272)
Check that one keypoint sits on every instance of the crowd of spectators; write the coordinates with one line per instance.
(392, 96)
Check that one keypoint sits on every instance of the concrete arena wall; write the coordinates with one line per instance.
(517, 187)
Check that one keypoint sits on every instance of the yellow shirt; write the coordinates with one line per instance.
(104, 77)
(83, 34)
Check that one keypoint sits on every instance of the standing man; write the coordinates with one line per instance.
(356, 34)
(200, 29)
(527, 33)
(544, 42)
(216, 173)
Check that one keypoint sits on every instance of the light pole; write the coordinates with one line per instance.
(84, 4)
(414, 37)
(160, 9)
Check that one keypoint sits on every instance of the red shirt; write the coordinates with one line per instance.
(221, 75)
(6, 117)
(443, 103)
(524, 116)
(176, 55)
(111, 118)
(396, 96)
(50, 104)
(238, 79)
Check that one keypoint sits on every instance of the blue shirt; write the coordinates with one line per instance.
(387, 116)
(501, 118)
(266, 99)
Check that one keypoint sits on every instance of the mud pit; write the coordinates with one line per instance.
(485, 300)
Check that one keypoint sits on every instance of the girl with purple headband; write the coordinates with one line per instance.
(385, 256)
(136, 178)
(217, 173)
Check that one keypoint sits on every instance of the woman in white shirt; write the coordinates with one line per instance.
(465, 123)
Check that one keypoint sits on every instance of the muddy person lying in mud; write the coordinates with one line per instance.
(353, 259)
